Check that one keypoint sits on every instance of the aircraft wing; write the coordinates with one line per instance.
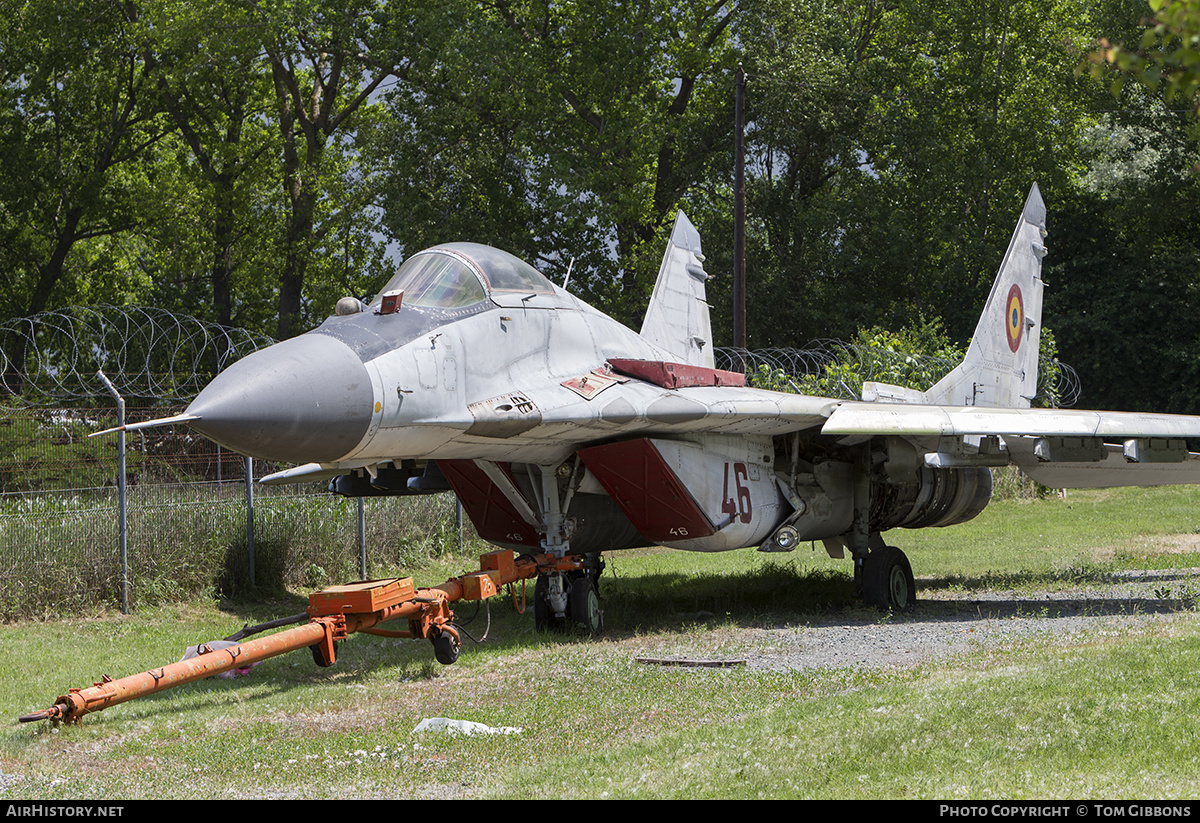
(1059, 448)
(857, 418)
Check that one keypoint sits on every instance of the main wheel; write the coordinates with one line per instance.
(583, 605)
(887, 580)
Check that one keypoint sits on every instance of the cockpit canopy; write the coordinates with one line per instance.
(458, 275)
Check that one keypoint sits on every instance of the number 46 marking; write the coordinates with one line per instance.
(738, 505)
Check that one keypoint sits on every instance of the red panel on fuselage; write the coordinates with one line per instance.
(676, 375)
(649, 493)
(495, 518)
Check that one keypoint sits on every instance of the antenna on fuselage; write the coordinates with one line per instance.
(567, 279)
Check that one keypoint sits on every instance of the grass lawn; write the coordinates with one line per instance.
(1107, 714)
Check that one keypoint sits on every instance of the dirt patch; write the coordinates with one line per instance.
(1159, 544)
(946, 623)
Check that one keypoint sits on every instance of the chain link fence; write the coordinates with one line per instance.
(190, 531)
(187, 520)
(188, 524)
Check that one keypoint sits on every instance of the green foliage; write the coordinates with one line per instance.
(1122, 284)
(237, 159)
(80, 136)
(189, 542)
(915, 357)
(51, 451)
(513, 128)
(892, 149)
(1166, 58)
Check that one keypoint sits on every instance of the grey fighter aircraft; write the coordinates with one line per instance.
(563, 431)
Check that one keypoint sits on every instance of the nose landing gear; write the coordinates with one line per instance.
(580, 600)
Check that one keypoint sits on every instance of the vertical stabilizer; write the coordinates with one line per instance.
(1001, 366)
(677, 318)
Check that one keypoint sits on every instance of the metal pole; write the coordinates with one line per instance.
(250, 515)
(362, 538)
(458, 521)
(121, 501)
(739, 212)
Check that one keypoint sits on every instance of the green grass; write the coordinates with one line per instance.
(189, 542)
(1109, 714)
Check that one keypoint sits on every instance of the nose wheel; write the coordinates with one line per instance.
(544, 616)
(582, 605)
(887, 580)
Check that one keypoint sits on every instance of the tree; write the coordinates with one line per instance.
(217, 91)
(79, 128)
(893, 147)
(1167, 57)
(326, 61)
(595, 121)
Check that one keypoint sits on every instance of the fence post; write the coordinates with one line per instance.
(362, 539)
(121, 510)
(250, 516)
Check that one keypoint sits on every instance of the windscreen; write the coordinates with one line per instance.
(436, 281)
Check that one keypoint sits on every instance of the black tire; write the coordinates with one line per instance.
(319, 658)
(887, 580)
(583, 605)
(544, 618)
(446, 648)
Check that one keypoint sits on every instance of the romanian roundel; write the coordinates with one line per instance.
(1014, 317)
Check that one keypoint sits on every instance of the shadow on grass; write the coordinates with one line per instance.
(767, 596)
(1087, 590)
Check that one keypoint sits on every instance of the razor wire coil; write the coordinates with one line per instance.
(161, 356)
(840, 368)
(148, 353)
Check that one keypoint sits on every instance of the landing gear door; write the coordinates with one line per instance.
(708, 494)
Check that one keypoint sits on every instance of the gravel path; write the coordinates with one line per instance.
(947, 623)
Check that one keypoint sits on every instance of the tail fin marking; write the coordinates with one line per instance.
(1001, 365)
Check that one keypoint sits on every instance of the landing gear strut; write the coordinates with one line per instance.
(560, 598)
(544, 616)
(887, 580)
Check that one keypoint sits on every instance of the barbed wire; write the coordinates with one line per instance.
(821, 358)
(148, 353)
(154, 354)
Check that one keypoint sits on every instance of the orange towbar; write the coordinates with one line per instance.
(334, 614)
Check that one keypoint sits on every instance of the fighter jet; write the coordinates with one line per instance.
(562, 431)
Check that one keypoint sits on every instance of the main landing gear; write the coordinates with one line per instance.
(886, 580)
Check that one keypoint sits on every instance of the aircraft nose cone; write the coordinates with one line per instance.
(308, 399)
